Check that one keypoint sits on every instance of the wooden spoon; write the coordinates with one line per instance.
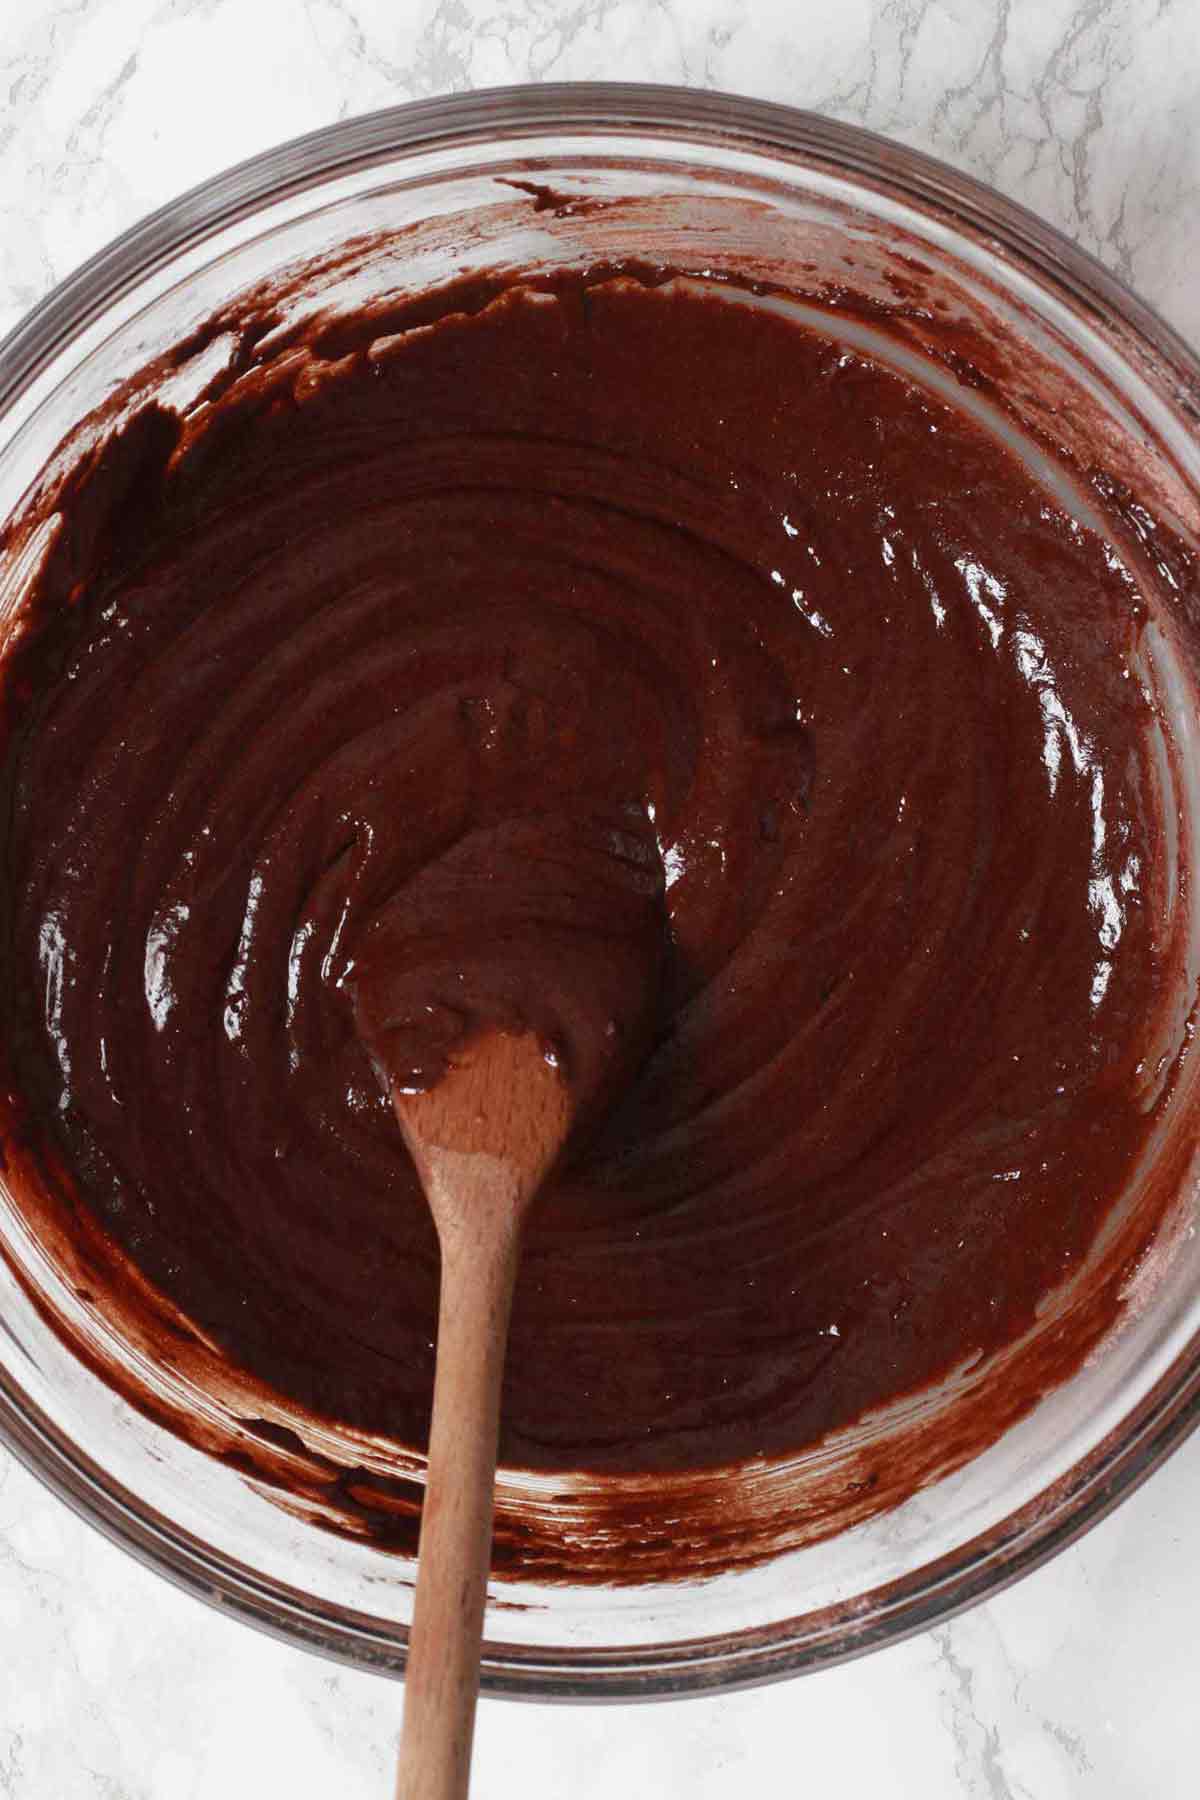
(483, 1140)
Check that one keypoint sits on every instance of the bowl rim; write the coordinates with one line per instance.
(1145, 1436)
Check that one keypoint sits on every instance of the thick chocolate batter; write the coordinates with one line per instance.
(402, 611)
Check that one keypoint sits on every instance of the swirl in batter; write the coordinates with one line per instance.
(391, 617)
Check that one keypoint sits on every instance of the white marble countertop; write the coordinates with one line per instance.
(1082, 1680)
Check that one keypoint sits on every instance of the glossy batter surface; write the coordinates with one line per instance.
(385, 615)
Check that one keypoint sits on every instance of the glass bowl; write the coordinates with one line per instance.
(1085, 369)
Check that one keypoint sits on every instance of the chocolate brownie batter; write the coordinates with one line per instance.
(530, 606)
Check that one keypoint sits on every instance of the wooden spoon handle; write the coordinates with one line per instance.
(442, 1678)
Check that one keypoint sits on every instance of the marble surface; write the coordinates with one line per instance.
(1079, 1682)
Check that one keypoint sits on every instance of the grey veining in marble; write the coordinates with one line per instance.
(1087, 111)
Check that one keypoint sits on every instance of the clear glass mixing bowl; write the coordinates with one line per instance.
(715, 179)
